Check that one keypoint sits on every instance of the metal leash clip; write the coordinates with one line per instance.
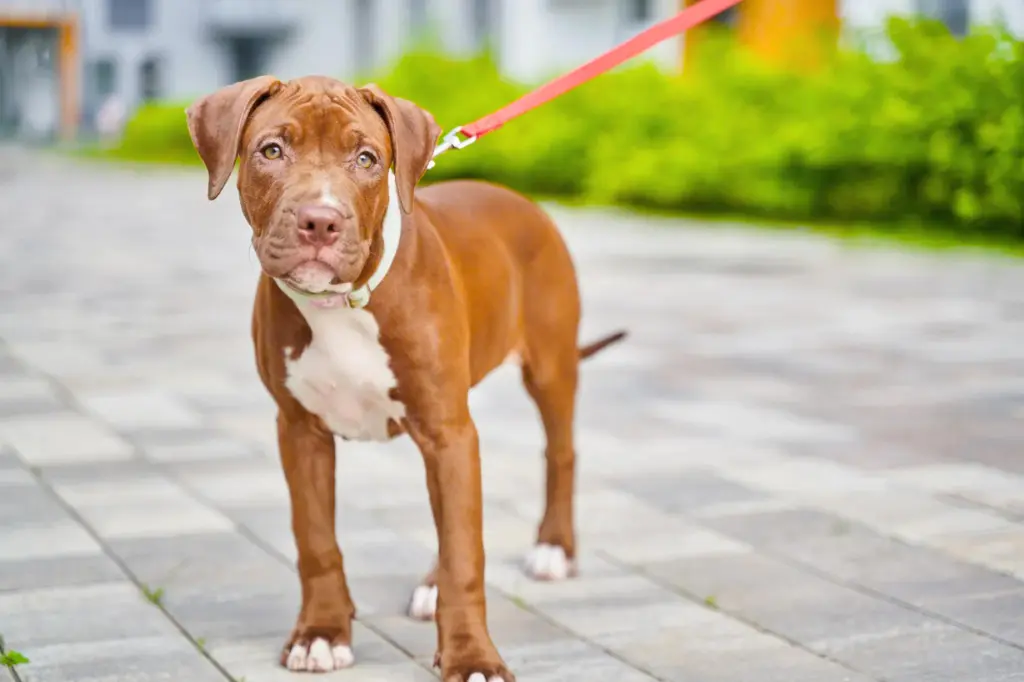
(451, 141)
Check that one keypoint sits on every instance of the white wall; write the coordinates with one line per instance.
(320, 45)
(992, 11)
(543, 38)
(871, 14)
(453, 21)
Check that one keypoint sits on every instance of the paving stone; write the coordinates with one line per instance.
(8, 459)
(27, 504)
(235, 613)
(756, 423)
(238, 483)
(10, 477)
(11, 367)
(201, 563)
(687, 492)
(28, 395)
(634, 549)
(557, 661)
(129, 410)
(384, 552)
(272, 526)
(200, 450)
(133, 659)
(124, 474)
(785, 600)
(64, 570)
(936, 655)
(56, 539)
(995, 613)
(606, 511)
(79, 614)
(853, 553)
(41, 440)
(781, 663)
(145, 507)
(414, 637)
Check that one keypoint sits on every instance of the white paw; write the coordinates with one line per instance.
(548, 562)
(479, 677)
(319, 657)
(423, 605)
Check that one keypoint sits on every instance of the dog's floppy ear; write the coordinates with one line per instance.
(414, 135)
(215, 123)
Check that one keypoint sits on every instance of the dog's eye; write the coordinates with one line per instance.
(271, 151)
(366, 160)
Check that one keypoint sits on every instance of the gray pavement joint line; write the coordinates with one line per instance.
(109, 551)
(968, 503)
(701, 601)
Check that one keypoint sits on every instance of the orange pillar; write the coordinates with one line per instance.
(68, 74)
(795, 32)
(790, 32)
(67, 62)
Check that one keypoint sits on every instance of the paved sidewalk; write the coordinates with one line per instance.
(806, 464)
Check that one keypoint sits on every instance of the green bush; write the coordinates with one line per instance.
(934, 134)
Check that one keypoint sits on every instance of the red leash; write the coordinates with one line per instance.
(685, 20)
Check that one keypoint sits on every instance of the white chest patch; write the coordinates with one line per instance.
(343, 375)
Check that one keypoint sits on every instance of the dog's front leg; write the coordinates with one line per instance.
(322, 638)
(451, 453)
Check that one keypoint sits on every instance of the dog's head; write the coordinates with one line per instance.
(315, 156)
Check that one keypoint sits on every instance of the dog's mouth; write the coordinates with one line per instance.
(316, 282)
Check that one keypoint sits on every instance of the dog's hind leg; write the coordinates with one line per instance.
(550, 375)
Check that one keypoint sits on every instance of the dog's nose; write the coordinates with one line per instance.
(319, 224)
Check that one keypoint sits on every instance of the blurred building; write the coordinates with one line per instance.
(63, 62)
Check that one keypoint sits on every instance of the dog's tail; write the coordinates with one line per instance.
(601, 344)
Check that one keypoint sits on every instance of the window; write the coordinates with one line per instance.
(149, 79)
(129, 15)
(955, 14)
(638, 11)
(248, 56)
(104, 78)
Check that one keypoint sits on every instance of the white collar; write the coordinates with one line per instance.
(391, 233)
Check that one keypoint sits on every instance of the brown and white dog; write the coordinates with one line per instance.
(378, 308)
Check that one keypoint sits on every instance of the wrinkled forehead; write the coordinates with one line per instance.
(319, 114)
